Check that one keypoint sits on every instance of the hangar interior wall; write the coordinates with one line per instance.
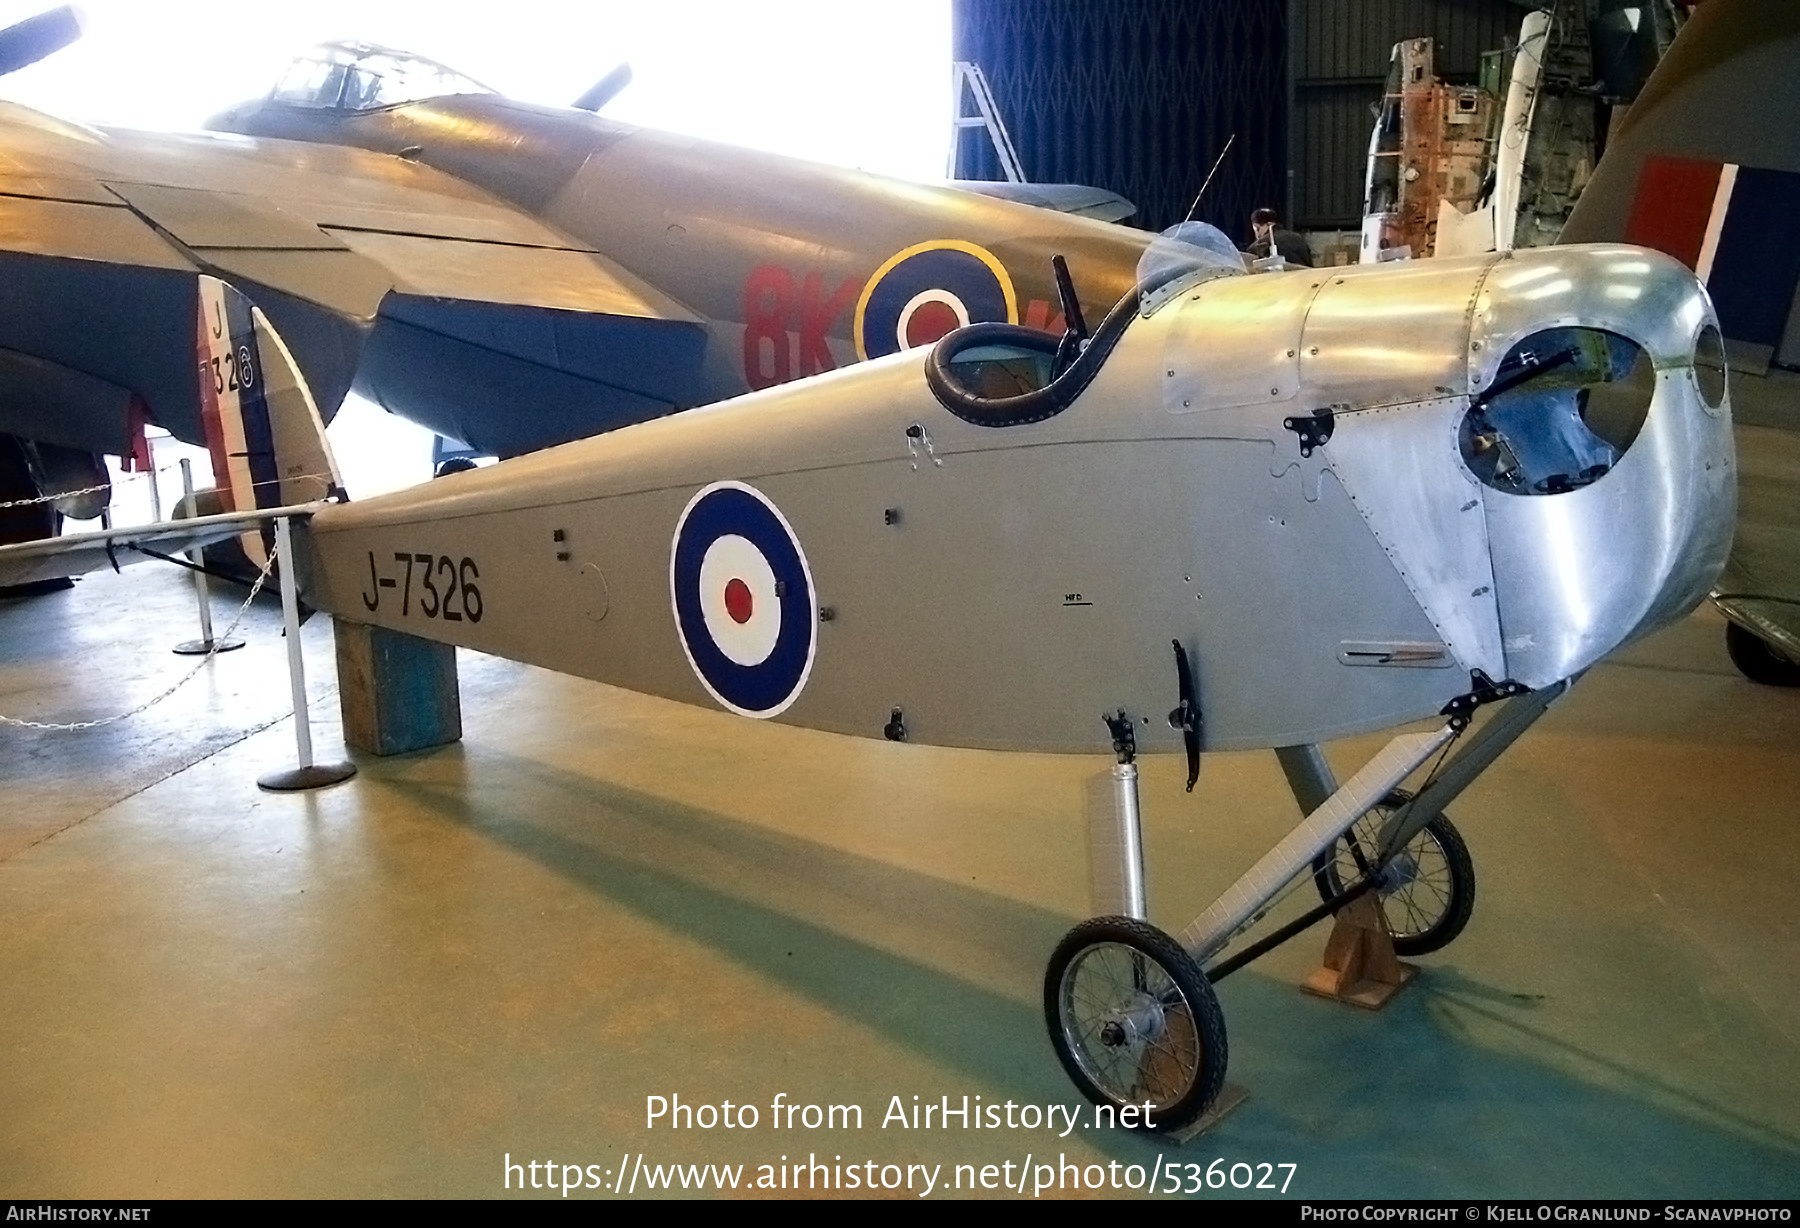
(1139, 96)
(1338, 51)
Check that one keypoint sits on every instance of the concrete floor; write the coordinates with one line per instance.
(504, 947)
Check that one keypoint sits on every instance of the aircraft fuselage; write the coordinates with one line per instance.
(1003, 586)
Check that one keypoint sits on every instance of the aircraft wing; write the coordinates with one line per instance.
(351, 254)
(55, 557)
(1076, 198)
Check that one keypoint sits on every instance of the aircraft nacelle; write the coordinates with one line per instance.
(1339, 491)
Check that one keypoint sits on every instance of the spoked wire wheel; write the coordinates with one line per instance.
(1134, 1020)
(1427, 889)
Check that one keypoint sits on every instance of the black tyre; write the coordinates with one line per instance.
(1427, 890)
(456, 464)
(1758, 660)
(1134, 1020)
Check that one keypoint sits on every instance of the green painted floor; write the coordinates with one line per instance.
(505, 947)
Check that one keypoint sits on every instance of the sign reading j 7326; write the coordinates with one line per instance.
(436, 586)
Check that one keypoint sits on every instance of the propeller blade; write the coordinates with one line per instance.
(26, 42)
(602, 91)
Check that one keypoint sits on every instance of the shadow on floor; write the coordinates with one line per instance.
(1417, 1100)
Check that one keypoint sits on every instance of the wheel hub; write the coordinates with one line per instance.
(1134, 1020)
(1140, 1020)
(1399, 873)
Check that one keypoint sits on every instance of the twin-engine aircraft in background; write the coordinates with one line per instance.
(1249, 510)
(510, 275)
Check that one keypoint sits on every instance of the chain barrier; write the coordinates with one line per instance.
(62, 494)
(181, 682)
(130, 476)
(125, 475)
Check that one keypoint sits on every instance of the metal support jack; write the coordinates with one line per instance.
(307, 775)
(206, 643)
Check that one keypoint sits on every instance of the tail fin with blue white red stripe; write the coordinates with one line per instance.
(1706, 167)
(263, 429)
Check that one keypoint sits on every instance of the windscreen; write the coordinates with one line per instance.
(363, 77)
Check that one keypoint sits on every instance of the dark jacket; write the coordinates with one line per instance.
(1290, 244)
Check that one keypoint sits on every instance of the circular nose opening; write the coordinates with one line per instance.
(1709, 367)
(1564, 406)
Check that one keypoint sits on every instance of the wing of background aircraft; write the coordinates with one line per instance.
(259, 421)
(1076, 198)
(509, 275)
(363, 261)
(1706, 167)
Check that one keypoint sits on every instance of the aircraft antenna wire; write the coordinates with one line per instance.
(1207, 183)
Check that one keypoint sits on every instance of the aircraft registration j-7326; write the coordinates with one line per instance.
(506, 274)
(1250, 510)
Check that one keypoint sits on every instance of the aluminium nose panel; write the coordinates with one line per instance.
(1580, 572)
(1384, 348)
(1534, 583)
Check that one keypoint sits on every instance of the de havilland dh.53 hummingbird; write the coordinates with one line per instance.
(1248, 510)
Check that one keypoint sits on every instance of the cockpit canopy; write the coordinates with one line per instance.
(364, 77)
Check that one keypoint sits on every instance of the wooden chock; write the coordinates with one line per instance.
(1360, 965)
(1158, 1071)
(1230, 1097)
(398, 692)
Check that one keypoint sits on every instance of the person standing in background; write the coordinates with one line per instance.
(1272, 239)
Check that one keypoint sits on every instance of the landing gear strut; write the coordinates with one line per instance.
(1132, 1017)
(1131, 1009)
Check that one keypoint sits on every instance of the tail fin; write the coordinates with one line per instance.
(1706, 167)
(263, 429)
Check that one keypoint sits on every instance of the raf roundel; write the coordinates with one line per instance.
(927, 290)
(743, 599)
